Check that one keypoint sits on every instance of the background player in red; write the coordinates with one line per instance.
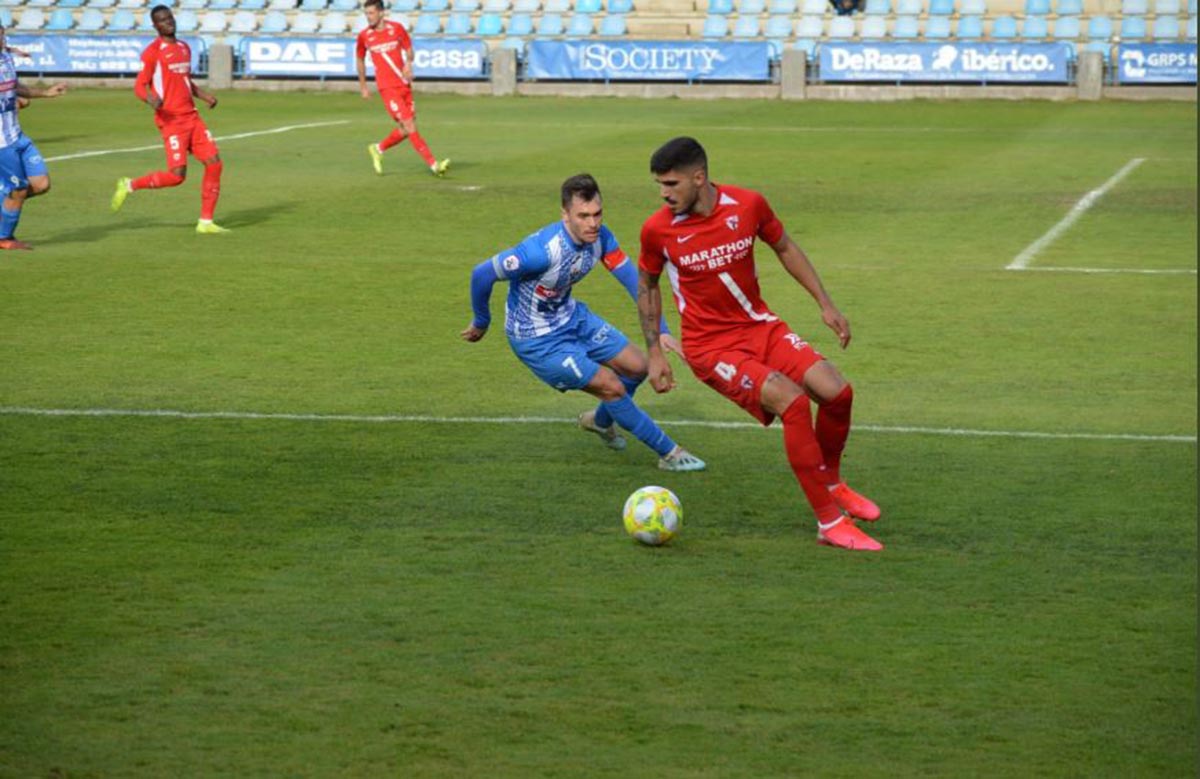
(704, 238)
(392, 55)
(165, 84)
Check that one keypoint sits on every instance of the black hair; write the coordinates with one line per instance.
(582, 186)
(158, 8)
(680, 153)
(378, 3)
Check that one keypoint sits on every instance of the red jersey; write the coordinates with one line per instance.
(710, 261)
(388, 46)
(167, 69)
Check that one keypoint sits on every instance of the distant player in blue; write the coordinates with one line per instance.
(23, 172)
(557, 337)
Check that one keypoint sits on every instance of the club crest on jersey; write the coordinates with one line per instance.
(747, 383)
(731, 222)
(511, 263)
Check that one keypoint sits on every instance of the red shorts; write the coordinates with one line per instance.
(181, 136)
(738, 365)
(399, 102)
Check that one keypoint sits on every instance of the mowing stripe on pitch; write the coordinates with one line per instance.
(529, 420)
(1022, 260)
(236, 136)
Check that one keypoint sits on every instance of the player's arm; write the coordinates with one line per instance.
(142, 85)
(408, 63)
(54, 90)
(796, 262)
(505, 266)
(360, 63)
(649, 303)
(209, 99)
(624, 272)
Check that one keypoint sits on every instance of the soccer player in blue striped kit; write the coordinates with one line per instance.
(558, 338)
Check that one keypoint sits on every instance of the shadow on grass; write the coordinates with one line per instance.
(234, 220)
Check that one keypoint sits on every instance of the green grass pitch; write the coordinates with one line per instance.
(305, 597)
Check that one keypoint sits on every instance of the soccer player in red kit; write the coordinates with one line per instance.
(165, 84)
(704, 239)
(392, 55)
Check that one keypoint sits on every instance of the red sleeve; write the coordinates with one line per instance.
(403, 37)
(651, 257)
(770, 229)
(360, 47)
(141, 85)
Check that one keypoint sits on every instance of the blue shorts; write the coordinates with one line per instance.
(569, 357)
(18, 163)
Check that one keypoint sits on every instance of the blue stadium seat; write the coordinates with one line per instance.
(1069, 7)
(1067, 28)
(841, 27)
(1004, 28)
(78, 3)
(191, 5)
(1133, 28)
(1034, 28)
(715, 27)
(146, 24)
(878, 7)
(512, 43)
(908, 7)
(1037, 7)
(588, 6)
(241, 22)
(579, 26)
(817, 7)
(30, 19)
(403, 6)
(495, 6)
(781, 7)
(970, 28)
(465, 6)
(612, 26)
(1133, 7)
(1192, 7)
(222, 5)
(1100, 28)
(937, 28)
(906, 28)
(746, 27)
(941, 7)
(252, 5)
(806, 45)
(62, 19)
(305, 23)
(810, 28)
(720, 7)
(334, 23)
(549, 26)
(98, 4)
(520, 24)
(313, 5)
(91, 20)
(778, 27)
(874, 28)
(751, 6)
(526, 6)
(556, 6)
(973, 8)
(620, 6)
(490, 25)
(458, 24)
(1166, 28)
(273, 22)
(121, 21)
(1167, 7)
(1190, 32)
(428, 24)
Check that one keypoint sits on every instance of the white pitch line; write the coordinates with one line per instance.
(1022, 260)
(531, 420)
(1146, 271)
(236, 136)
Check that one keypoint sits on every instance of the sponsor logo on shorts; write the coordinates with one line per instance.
(796, 341)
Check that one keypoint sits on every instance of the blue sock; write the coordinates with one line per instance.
(8, 222)
(603, 418)
(638, 422)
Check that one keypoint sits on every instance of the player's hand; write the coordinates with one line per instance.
(660, 375)
(212, 101)
(54, 90)
(671, 345)
(837, 323)
(407, 74)
(366, 95)
(473, 333)
(154, 101)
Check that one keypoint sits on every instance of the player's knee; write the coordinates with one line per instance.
(607, 386)
(176, 173)
(39, 186)
(779, 392)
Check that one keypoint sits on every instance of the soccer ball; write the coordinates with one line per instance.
(653, 515)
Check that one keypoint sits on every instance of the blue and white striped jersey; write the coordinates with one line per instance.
(10, 126)
(541, 271)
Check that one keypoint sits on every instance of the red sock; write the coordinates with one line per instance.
(157, 180)
(804, 455)
(833, 427)
(394, 137)
(422, 148)
(210, 189)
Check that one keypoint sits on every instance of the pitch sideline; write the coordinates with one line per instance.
(234, 137)
(531, 420)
